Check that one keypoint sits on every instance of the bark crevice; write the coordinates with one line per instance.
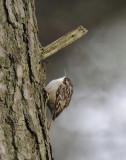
(13, 135)
(34, 135)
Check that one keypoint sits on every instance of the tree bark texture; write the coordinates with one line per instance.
(23, 98)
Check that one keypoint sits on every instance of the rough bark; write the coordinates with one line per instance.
(23, 122)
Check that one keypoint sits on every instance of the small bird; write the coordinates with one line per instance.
(60, 93)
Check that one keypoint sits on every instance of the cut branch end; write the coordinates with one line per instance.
(64, 41)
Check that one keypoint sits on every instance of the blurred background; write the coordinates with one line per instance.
(93, 127)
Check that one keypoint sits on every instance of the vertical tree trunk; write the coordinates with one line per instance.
(23, 122)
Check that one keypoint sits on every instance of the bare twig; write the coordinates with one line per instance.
(63, 41)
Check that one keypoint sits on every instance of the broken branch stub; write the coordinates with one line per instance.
(64, 41)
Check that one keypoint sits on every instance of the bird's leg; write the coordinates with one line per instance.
(50, 124)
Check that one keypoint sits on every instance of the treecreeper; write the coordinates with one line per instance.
(60, 92)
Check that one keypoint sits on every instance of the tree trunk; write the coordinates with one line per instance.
(23, 99)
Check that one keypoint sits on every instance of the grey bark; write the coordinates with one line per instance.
(23, 98)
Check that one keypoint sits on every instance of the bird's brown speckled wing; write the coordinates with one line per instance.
(63, 97)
